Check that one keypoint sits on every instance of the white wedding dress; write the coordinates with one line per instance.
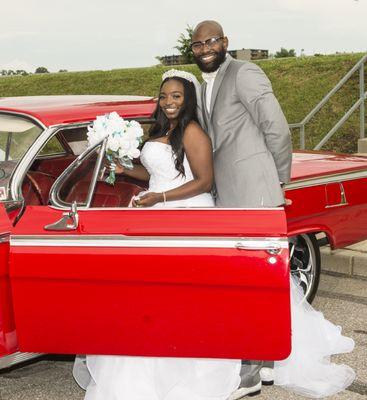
(307, 371)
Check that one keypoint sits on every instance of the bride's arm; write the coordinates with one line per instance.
(138, 172)
(199, 153)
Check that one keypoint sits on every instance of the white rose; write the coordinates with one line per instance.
(113, 143)
(134, 153)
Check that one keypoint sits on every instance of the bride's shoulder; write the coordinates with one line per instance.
(193, 130)
(194, 136)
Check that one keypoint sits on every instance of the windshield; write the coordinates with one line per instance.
(17, 134)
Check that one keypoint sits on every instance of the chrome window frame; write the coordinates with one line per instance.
(13, 193)
(55, 200)
(56, 187)
(323, 180)
(26, 161)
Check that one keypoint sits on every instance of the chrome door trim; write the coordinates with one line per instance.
(5, 237)
(16, 358)
(163, 209)
(347, 176)
(121, 241)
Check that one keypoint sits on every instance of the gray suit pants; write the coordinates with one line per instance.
(250, 372)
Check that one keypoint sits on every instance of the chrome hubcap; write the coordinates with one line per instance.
(303, 260)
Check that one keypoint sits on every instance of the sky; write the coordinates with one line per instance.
(95, 34)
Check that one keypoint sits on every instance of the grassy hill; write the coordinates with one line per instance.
(299, 84)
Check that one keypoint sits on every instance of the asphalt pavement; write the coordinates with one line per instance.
(342, 299)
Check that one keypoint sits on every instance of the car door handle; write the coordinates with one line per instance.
(68, 222)
(343, 198)
(270, 247)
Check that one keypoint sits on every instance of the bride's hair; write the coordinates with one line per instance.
(187, 114)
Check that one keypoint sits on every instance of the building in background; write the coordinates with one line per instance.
(172, 60)
(249, 54)
(244, 54)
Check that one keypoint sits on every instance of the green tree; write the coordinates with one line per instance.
(285, 53)
(21, 72)
(41, 70)
(183, 46)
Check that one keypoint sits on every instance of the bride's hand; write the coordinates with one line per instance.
(118, 168)
(148, 200)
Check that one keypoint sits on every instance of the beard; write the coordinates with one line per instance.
(215, 64)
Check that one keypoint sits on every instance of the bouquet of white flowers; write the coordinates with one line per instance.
(123, 140)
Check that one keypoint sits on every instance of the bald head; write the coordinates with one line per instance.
(208, 29)
(209, 45)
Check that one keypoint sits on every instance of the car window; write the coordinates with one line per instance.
(17, 134)
(77, 181)
(77, 137)
(52, 147)
(76, 185)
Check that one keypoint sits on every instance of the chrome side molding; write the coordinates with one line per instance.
(17, 358)
(121, 241)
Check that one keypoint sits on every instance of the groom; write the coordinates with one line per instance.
(250, 136)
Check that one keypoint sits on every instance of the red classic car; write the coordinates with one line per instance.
(81, 272)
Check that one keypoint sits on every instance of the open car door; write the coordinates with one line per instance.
(210, 283)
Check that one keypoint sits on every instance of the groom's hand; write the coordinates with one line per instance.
(287, 202)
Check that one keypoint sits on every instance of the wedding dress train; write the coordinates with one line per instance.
(308, 371)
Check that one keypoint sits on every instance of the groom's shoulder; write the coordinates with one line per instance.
(244, 66)
(250, 75)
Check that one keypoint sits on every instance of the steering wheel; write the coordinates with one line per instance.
(35, 187)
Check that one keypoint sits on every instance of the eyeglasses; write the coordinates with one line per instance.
(210, 43)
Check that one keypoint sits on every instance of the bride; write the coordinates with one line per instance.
(177, 161)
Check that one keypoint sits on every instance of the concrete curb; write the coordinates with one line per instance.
(350, 261)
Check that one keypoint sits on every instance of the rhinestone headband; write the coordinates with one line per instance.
(172, 73)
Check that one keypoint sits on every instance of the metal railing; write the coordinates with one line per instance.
(360, 103)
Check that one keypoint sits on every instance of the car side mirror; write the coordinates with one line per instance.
(69, 221)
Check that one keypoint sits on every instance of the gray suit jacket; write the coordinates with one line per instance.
(250, 137)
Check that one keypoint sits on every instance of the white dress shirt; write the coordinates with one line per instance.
(209, 78)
